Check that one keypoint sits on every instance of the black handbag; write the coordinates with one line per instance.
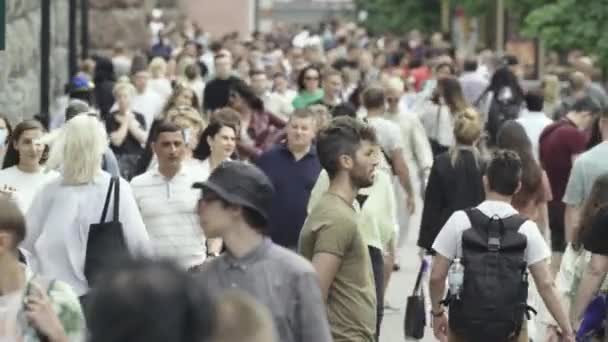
(106, 243)
(415, 313)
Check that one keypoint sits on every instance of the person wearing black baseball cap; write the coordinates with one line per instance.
(234, 206)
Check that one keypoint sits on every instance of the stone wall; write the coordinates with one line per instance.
(20, 62)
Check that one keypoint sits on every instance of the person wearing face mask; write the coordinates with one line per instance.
(22, 172)
(5, 133)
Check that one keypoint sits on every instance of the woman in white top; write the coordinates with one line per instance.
(217, 144)
(62, 212)
(22, 174)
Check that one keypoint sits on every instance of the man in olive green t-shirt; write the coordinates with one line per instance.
(330, 237)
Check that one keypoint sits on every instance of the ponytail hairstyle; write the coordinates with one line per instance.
(512, 136)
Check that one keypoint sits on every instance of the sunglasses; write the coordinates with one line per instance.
(311, 78)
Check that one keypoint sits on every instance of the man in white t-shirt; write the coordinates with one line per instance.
(502, 180)
(389, 139)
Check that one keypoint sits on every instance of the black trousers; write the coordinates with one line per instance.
(378, 268)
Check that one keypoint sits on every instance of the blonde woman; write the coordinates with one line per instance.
(455, 182)
(62, 211)
(127, 130)
(158, 78)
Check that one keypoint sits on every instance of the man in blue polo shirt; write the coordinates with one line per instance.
(293, 167)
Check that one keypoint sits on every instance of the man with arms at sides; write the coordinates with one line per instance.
(586, 169)
(559, 144)
(165, 199)
(293, 168)
(502, 180)
(390, 141)
(234, 206)
(330, 237)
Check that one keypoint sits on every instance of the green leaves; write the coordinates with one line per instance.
(400, 16)
(571, 24)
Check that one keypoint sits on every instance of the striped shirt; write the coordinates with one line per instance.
(168, 209)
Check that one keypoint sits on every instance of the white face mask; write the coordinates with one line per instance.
(3, 136)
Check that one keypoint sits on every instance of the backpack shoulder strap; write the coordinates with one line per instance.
(476, 217)
(514, 222)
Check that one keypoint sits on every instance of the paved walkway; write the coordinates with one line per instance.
(400, 287)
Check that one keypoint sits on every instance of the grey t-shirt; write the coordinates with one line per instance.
(282, 281)
(586, 169)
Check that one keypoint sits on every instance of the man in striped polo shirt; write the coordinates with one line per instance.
(167, 201)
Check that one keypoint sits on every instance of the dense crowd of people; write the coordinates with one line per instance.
(265, 187)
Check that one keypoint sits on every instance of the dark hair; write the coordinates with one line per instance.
(344, 109)
(150, 301)
(451, 91)
(9, 128)
(505, 78)
(586, 104)
(510, 60)
(74, 108)
(164, 126)
(512, 136)
(504, 172)
(596, 202)
(11, 158)
(373, 97)
(470, 65)
(177, 90)
(202, 150)
(535, 101)
(343, 136)
(446, 65)
(12, 220)
(302, 75)
(246, 93)
(146, 157)
(595, 138)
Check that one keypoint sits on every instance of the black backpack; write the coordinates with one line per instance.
(499, 112)
(493, 300)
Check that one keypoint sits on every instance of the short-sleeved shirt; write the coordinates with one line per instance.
(130, 145)
(389, 136)
(449, 241)
(331, 228)
(597, 235)
(587, 168)
(559, 142)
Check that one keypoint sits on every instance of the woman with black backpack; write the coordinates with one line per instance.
(503, 100)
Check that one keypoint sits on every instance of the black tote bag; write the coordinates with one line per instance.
(106, 242)
(415, 315)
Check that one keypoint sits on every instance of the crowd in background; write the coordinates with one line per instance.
(171, 116)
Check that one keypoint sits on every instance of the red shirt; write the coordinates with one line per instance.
(558, 143)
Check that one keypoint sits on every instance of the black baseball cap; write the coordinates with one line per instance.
(240, 183)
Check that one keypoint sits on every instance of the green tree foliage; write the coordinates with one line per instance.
(572, 24)
(400, 16)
